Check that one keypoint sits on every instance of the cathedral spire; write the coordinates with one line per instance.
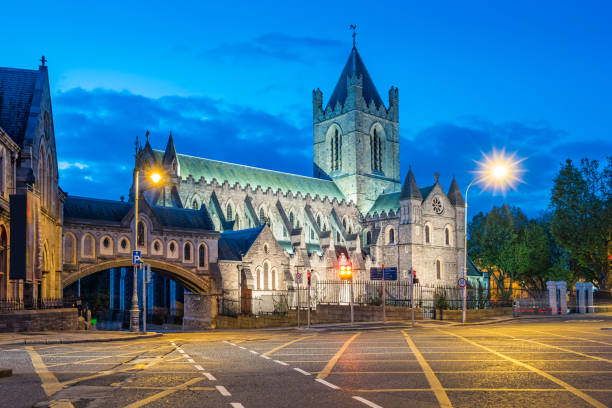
(410, 189)
(170, 153)
(454, 194)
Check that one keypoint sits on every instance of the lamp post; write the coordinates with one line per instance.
(500, 172)
(134, 311)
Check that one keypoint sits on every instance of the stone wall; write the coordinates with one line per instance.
(36, 320)
(199, 311)
(474, 315)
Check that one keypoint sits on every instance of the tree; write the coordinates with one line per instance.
(581, 221)
(494, 246)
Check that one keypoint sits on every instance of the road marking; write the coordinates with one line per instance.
(299, 370)
(199, 367)
(565, 350)
(433, 381)
(164, 393)
(209, 376)
(49, 382)
(282, 346)
(236, 405)
(331, 363)
(223, 391)
(481, 390)
(244, 348)
(569, 337)
(266, 357)
(368, 403)
(281, 362)
(544, 374)
(181, 351)
(186, 356)
(191, 360)
(330, 385)
(253, 351)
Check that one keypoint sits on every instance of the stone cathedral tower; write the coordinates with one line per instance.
(356, 137)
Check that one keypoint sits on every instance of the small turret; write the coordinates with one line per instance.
(170, 161)
(454, 194)
(410, 189)
(410, 200)
(317, 104)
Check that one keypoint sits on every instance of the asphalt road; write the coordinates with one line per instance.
(526, 363)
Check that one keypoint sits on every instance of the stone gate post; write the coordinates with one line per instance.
(552, 296)
(580, 297)
(562, 288)
(589, 289)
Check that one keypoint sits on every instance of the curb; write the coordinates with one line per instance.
(5, 372)
(70, 341)
(488, 322)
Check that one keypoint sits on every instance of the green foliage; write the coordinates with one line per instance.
(441, 302)
(581, 220)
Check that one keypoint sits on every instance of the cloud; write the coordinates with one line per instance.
(96, 132)
(277, 46)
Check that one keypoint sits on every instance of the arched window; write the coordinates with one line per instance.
(187, 252)
(262, 215)
(368, 237)
(438, 269)
(344, 223)
(266, 278)
(141, 234)
(319, 221)
(69, 248)
(259, 280)
(376, 150)
(447, 236)
(229, 212)
(427, 239)
(391, 236)
(194, 205)
(274, 283)
(123, 244)
(202, 255)
(336, 151)
(88, 246)
(312, 234)
(292, 219)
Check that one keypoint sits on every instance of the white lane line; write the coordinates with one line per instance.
(223, 391)
(232, 344)
(253, 351)
(299, 370)
(368, 403)
(209, 376)
(266, 357)
(236, 405)
(181, 351)
(244, 348)
(330, 385)
(191, 360)
(281, 362)
(186, 356)
(199, 367)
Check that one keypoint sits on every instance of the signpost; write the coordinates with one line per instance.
(136, 257)
(146, 279)
(308, 276)
(298, 280)
(461, 282)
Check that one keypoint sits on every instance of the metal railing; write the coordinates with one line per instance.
(9, 305)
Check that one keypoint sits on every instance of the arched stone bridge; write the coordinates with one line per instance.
(178, 243)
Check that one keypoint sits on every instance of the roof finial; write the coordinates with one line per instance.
(147, 135)
(437, 176)
(43, 60)
(353, 27)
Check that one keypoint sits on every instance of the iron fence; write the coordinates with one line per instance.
(9, 305)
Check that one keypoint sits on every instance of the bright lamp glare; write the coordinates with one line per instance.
(156, 177)
(500, 171)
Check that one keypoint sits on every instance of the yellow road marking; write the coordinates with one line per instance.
(569, 337)
(565, 350)
(433, 381)
(544, 374)
(484, 389)
(282, 346)
(164, 393)
(331, 363)
(49, 381)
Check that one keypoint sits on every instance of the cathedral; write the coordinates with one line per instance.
(356, 208)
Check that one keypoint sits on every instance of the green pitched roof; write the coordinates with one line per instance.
(391, 201)
(237, 173)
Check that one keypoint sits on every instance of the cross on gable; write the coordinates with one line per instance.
(43, 60)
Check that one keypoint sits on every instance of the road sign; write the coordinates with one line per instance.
(377, 273)
(136, 257)
(298, 278)
(462, 283)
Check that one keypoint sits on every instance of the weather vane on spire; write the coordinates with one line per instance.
(353, 27)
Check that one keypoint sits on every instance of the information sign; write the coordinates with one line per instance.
(389, 273)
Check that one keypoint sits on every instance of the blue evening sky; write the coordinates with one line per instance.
(233, 82)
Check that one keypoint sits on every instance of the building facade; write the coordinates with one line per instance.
(355, 209)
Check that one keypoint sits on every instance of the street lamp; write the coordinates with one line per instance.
(155, 177)
(499, 172)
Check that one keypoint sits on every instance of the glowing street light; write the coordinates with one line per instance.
(156, 177)
(497, 171)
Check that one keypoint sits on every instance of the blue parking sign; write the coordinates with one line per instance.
(136, 258)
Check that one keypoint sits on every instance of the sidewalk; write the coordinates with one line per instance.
(68, 337)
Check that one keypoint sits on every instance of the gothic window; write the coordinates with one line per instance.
(172, 248)
(368, 237)
(194, 205)
(438, 269)
(447, 236)
(229, 212)
(274, 281)
(376, 150)
(266, 278)
(319, 221)
(427, 240)
(123, 244)
(187, 252)
(336, 151)
(259, 281)
(391, 239)
(284, 232)
(141, 234)
(156, 246)
(202, 255)
(262, 215)
(68, 248)
(106, 242)
(312, 234)
(437, 205)
(88, 246)
(292, 219)
(344, 223)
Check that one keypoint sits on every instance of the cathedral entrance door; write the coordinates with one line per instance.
(246, 301)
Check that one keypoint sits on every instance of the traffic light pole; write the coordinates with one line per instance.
(384, 295)
(298, 305)
(412, 296)
(352, 314)
(309, 303)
